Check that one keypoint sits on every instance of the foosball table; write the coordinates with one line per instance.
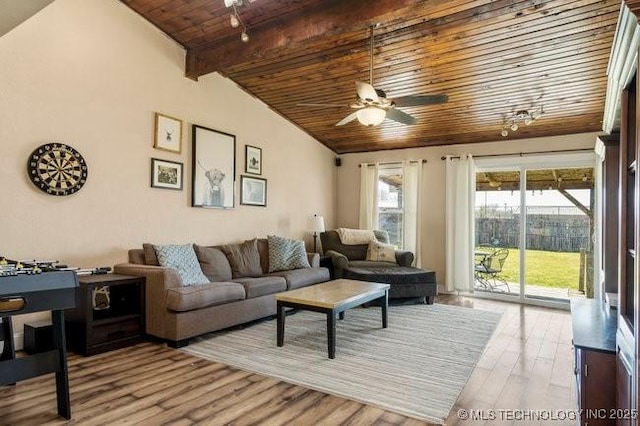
(25, 293)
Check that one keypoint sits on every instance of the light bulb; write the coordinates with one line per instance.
(244, 37)
(585, 178)
(514, 126)
(528, 121)
(504, 132)
(234, 20)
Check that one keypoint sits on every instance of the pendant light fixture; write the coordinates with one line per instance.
(234, 20)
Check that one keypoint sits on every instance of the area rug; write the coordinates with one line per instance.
(417, 367)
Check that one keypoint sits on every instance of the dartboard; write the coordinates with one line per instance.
(57, 169)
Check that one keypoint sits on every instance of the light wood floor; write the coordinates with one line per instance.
(527, 365)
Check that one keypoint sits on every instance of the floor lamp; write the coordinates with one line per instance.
(318, 226)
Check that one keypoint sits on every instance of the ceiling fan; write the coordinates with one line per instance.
(372, 105)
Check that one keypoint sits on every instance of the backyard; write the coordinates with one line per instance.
(544, 268)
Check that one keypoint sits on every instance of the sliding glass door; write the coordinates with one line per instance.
(536, 243)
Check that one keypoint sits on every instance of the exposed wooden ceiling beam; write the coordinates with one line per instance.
(331, 19)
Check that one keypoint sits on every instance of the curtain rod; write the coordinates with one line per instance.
(522, 154)
(394, 162)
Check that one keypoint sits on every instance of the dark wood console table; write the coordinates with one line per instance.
(594, 340)
(23, 294)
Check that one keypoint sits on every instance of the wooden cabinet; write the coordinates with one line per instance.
(628, 336)
(594, 340)
(109, 315)
(595, 385)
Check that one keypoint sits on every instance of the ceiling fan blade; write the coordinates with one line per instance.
(419, 100)
(366, 92)
(400, 117)
(321, 105)
(349, 118)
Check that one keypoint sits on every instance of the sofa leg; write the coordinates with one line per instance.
(177, 343)
(430, 299)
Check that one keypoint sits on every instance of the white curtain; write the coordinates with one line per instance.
(460, 189)
(412, 178)
(368, 196)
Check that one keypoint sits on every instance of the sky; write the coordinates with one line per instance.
(548, 198)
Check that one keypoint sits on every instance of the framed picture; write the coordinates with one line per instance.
(253, 160)
(253, 191)
(214, 168)
(166, 174)
(168, 133)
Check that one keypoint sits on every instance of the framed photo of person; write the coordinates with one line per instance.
(166, 174)
(213, 168)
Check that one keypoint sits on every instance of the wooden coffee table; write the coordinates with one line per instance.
(333, 298)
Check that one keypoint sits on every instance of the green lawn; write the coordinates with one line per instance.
(544, 268)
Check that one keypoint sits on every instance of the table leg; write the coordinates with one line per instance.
(62, 377)
(8, 349)
(384, 302)
(280, 329)
(331, 333)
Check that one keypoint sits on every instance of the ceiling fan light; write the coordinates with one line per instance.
(371, 116)
(514, 126)
(504, 132)
(528, 121)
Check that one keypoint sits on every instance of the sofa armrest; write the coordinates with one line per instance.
(338, 260)
(314, 259)
(158, 281)
(404, 258)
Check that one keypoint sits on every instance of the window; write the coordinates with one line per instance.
(390, 204)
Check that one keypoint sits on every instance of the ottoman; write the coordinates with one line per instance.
(405, 281)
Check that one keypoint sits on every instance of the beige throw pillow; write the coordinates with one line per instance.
(380, 252)
(244, 259)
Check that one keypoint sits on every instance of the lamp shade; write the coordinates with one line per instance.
(371, 115)
(317, 223)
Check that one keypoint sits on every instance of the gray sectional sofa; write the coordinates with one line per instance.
(240, 288)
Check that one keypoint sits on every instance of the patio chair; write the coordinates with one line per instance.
(487, 271)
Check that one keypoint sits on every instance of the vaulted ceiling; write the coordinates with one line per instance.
(491, 58)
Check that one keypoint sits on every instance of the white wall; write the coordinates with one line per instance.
(433, 196)
(91, 74)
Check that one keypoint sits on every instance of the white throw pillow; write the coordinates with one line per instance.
(380, 252)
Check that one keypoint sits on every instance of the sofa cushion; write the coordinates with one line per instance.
(183, 299)
(370, 263)
(244, 259)
(150, 257)
(255, 287)
(263, 251)
(214, 263)
(380, 252)
(285, 254)
(297, 278)
(183, 259)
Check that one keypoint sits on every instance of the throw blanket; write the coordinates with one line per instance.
(355, 236)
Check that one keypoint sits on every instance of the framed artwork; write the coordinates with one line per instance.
(213, 168)
(168, 133)
(253, 160)
(253, 191)
(166, 174)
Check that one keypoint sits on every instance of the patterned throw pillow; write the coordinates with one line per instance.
(380, 252)
(286, 254)
(183, 259)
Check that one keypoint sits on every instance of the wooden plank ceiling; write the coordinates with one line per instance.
(492, 59)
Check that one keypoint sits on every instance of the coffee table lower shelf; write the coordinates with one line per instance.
(332, 298)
